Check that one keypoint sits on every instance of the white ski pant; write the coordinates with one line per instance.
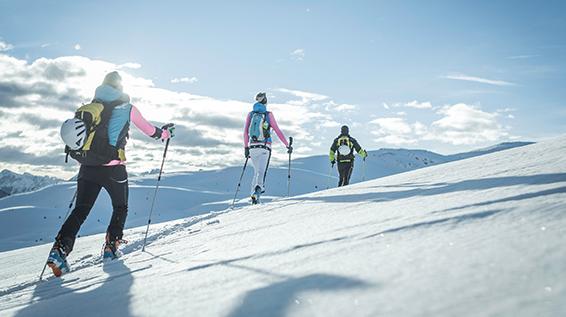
(260, 160)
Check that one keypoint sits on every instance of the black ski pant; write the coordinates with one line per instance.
(90, 181)
(345, 171)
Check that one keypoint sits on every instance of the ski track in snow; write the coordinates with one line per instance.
(479, 237)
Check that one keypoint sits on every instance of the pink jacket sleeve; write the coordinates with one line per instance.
(141, 123)
(275, 128)
(246, 133)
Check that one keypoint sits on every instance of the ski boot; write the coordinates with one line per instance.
(57, 260)
(255, 195)
(111, 249)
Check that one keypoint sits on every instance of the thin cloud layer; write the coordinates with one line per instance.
(479, 80)
(411, 104)
(298, 54)
(189, 80)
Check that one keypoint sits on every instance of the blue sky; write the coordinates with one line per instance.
(447, 76)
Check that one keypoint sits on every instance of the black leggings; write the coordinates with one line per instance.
(90, 181)
(345, 171)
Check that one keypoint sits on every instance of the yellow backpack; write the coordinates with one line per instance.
(96, 149)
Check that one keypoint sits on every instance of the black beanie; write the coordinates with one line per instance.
(344, 130)
(261, 98)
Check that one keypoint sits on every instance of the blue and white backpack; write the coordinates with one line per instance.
(259, 130)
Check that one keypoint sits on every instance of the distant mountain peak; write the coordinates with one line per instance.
(14, 183)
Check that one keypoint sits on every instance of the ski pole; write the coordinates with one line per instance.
(67, 215)
(364, 170)
(240, 182)
(330, 168)
(289, 173)
(155, 193)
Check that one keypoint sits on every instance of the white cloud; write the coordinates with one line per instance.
(506, 110)
(4, 47)
(479, 80)
(306, 97)
(459, 124)
(411, 104)
(77, 47)
(465, 124)
(333, 106)
(392, 125)
(206, 126)
(393, 131)
(190, 80)
(329, 124)
(56, 87)
(130, 66)
(418, 105)
(522, 56)
(396, 139)
(298, 54)
(420, 129)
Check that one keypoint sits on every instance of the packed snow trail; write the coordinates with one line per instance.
(479, 237)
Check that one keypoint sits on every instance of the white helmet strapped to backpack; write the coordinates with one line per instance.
(73, 133)
(344, 150)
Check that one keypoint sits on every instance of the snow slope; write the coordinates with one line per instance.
(478, 237)
(200, 192)
(491, 149)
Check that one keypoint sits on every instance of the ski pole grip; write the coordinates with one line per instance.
(290, 140)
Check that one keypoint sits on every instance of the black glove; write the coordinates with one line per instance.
(289, 149)
(159, 131)
(246, 152)
(157, 134)
(332, 163)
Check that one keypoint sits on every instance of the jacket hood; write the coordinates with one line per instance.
(259, 107)
(108, 93)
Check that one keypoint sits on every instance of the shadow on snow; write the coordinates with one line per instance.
(443, 188)
(110, 298)
(278, 298)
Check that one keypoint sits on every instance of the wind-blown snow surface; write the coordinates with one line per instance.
(478, 237)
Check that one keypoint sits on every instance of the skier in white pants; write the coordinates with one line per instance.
(257, 142)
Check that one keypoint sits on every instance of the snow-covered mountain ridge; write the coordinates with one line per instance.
(43, 211)
(476, 237)
(14, 183)
(393, 161)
